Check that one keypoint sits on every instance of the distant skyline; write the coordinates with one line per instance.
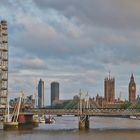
(75, 43)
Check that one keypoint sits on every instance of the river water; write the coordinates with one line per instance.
(66, 128)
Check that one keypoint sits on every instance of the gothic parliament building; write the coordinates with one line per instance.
(109, 93)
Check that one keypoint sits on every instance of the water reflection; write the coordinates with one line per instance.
(66, 128)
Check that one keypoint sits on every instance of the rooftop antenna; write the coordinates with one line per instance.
(109, 74)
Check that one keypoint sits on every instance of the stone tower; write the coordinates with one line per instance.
(109, 89)
(132, 90)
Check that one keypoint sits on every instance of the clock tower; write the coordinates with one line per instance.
(132, 90)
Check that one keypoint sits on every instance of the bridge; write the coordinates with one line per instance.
(84, 110)
(106, 112)
(87, 112)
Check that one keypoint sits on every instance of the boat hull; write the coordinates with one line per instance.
(25, 126)
(35, 123)
(25, 121)
(49, 120)
(10, 125)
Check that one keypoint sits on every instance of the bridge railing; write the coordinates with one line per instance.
(93, 111)
(86, 111)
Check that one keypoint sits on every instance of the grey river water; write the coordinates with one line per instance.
(66, 128)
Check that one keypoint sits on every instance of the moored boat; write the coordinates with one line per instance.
(35, 120)
(49, 120)
(25, 121)
(10, 125)
(42, 119)
(18, 120)
(11, 121)
(134, 117)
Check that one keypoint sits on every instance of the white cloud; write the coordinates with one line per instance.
(73, 42)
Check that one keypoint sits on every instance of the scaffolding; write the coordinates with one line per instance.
(3, 64)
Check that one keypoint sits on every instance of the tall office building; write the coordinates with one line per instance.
(41, 93)
(132, 90)
(3, 63)
(54, 93)
(109, 89)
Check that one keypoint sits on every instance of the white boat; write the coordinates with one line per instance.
(134, 117)
(41, 119)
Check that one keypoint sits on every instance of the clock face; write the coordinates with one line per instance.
(133, 87)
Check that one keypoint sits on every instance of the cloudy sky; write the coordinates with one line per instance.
(74, 42)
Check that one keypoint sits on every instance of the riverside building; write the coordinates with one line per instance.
(54, 93)
(41, 93)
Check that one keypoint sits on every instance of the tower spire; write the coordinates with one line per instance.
(132, 77)
(109, 74)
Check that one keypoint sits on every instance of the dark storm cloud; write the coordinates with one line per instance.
(120, 14)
